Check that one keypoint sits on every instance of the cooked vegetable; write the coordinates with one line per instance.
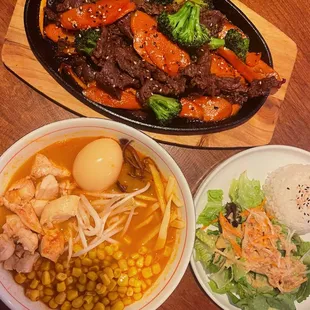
(55, 33)
(184, 27)
(238, 43)
(165, 108)
(128, 98)
(252, 59)
(86, 40)
(216, 43)
(154, 47)
(103, 12)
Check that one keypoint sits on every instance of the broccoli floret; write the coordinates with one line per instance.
(216, 43)
(238, 43)
(165, 108)
(184, 26)
(207, 4)
(86, 40)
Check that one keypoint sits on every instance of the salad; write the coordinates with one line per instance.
(248, 254)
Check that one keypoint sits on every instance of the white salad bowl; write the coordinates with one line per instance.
(13, 294)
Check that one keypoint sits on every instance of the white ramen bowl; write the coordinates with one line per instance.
(13, 294)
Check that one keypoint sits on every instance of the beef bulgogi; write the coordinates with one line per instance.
(169, 58)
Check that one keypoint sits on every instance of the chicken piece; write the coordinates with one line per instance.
(59, 210)
(7, 247)
(20, 192)
(10, 263)
(26, 263)
(42, 167)
(26, 213)
(14, 228)
(38, 206)
(66, 187)
(48, 189)
(52, 245)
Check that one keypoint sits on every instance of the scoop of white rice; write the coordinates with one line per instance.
(287, 191)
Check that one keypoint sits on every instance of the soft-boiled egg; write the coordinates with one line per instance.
(98, 165)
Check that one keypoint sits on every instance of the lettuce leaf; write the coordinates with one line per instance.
(304, 291)
(213, 207)
(246, 193)
(222, 281)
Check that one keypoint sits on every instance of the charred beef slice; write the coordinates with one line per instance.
(264, 86)
(124, 26)
(68, 4)
(213, 20)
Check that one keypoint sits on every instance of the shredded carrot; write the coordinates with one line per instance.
(227, 227)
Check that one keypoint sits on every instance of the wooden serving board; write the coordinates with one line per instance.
(18, 57)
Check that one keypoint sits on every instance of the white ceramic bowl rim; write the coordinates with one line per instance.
(143, 139)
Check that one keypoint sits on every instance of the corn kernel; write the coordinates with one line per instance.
(96, 299)
(91, 275)
(88, 306)
(118, 306)
(123, 280)
(117, 273)
(100, 254)
(61, 287)
(127, 301)
(137, 296)
(85, 269)
(101, 246)
(108, 249)
(115, 247)
(113, 296)
(31, 275)
(33, 295)
(143, 285)
(83, 278)
(69, 281)
(132, 272)
(143, 250)
(122, 290)
(137, 289)
(90, 286)
(52, 304)
(72, 294)
(60, 298)
(135, 256)
(94, 268)
(53, 275)
(109, 272)
(61, 276)
(105, 279)
(92, 254)
(156, 268)
(109, 258)
(148, 260)
(34, 284)
(77, 263)
(99, 306)
(46, 265)
(81, 287)
(129, 291)
(105, 301)
(122, 263)
(77, 247)
(167, 251)
(147, 273)
(88, 299)
(131, 262)
(87, 261)
(48, 291)
(76, 272)
(114, 266)
(46, 278)
(106, 263)
(100, 289)
(140, 262)
(78, 302)
(118, 255)
(46, 299)
(112, 285)
(132, 281)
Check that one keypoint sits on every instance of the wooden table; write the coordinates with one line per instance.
(23, 110)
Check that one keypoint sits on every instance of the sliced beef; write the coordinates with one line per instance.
(124, 26)
(172, 87)
(112, 80)
(102, 48)
(50, 14)
(68, 4)
(150, 7)
(263, 87)
(213, 20)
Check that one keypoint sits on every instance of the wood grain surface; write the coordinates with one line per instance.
(22, 110)
(17, 56)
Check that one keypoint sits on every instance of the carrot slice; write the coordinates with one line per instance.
(103, 12)
(227, 227)
(55, 33)
(221, 68)
(252, 59)
(213, 108)
(154, 47)
(41, 16)
(69, 71)
(258, 72)
(235, 109)
(128, 98)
